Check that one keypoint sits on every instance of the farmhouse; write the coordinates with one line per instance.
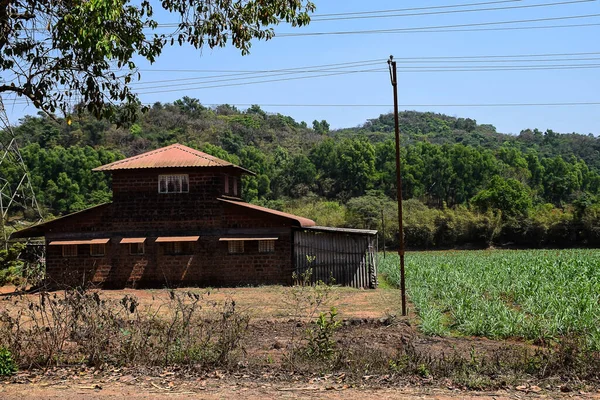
(177, 219)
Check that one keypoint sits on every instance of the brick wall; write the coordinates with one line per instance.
(138, 210)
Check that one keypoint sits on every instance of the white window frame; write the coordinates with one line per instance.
(67, 253)
(174, 183)
(97, 247)
(266, 246)
(139, 246)
(235, 247)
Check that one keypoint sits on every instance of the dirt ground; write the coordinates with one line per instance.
(139, 387)
(120, 391)
(371, 321)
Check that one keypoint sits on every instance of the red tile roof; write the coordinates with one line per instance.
(304, 222)
(175, 155)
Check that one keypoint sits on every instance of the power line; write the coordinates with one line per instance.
(446, 28)
(450, 11)
(389, 13)
(253, 74)
(402, 59)
(502, 56)
(420, 69)
(257, 74)
(413, 9)
(147, 90)
(341, 105)
(267, 81)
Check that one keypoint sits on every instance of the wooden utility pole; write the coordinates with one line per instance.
(393, 76)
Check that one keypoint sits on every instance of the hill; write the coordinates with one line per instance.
(452, 167)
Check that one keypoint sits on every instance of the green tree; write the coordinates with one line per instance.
(60, 50)
(505, 194)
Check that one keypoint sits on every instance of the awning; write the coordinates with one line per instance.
(71, 242)
(235, 239)
(177, 239)
(132, 240)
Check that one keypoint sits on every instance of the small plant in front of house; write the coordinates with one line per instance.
(319, 338)
(7, 364)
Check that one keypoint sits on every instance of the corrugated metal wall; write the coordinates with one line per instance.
(339, 258)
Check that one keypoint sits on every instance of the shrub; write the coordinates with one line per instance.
(185, 328)
(320, 343)
(7, 365)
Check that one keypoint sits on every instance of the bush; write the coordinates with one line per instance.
(7, 365)
(10, 265)
(184, 329)
(320, 343)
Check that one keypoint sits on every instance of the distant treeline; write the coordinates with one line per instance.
(465, 183)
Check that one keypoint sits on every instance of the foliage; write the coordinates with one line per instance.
(462, 183)
(320, 343)
(303, 301)
(10, 265)
(541, 294)
(7, 365)
(184, 328)
(60, 51)
(509, 196)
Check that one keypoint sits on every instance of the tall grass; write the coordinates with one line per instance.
(533, 294)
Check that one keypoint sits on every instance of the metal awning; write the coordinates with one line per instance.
(133, 240)
(163, 239)
(236, 239)
(71, 242)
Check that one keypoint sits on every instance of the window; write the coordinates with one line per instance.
(235, 188)
(266, 246)
(236, 246)
(175, 248)
(97, 249)
(226, 183)
(173, 184)
(69, 250)
(136, 248)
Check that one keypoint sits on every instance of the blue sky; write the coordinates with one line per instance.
(416, 88)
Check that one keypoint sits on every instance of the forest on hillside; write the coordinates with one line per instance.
(464, 183)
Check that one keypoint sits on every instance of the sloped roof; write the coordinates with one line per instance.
(40, 229)
(304, 222)
(173, 156)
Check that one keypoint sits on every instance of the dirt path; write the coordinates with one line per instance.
(256, 391)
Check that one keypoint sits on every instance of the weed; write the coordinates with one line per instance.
(320, 343)
(7, 365)
(183, 329)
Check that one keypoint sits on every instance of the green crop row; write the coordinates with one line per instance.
(532, 294)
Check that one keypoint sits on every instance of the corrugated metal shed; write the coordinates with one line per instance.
(173, 156)
(336, 255)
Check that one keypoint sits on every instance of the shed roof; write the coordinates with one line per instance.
(303, 222)
(175, 155)
(342, 230)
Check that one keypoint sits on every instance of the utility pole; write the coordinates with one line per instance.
(393, 77)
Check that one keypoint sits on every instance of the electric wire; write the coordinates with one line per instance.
(388, 13)
(446, 28)
(411, 69)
